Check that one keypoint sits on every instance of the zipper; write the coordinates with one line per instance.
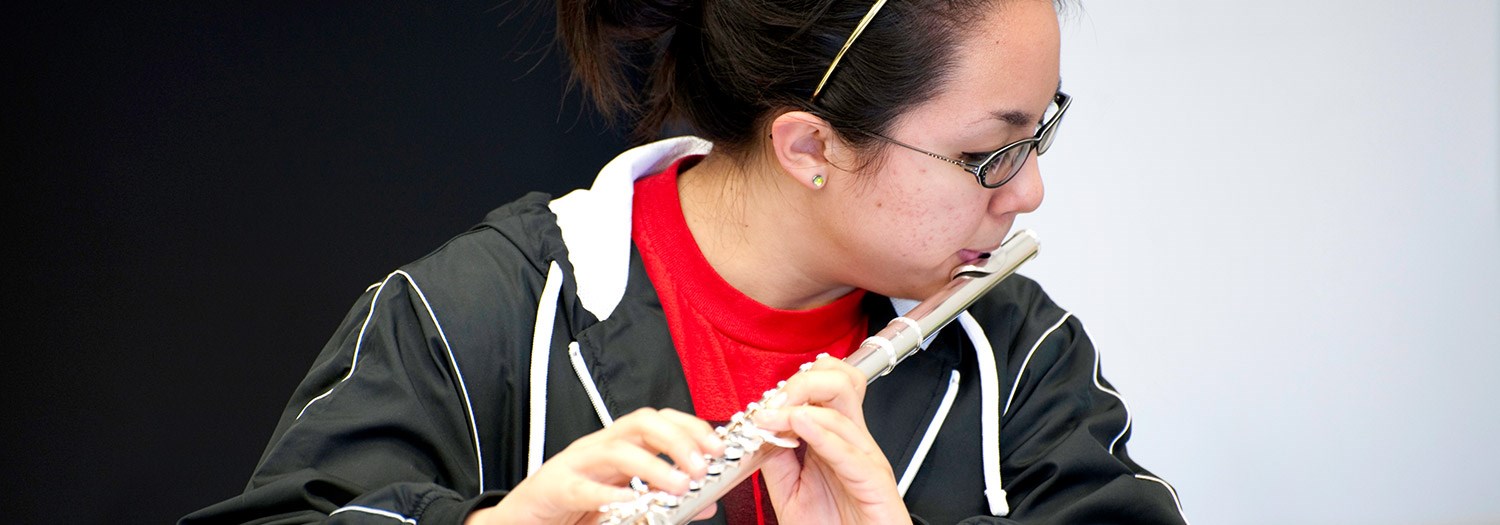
(576, 357)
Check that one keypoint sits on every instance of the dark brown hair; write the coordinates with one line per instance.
(722, 68)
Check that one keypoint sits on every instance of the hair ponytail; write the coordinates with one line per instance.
(619, 51)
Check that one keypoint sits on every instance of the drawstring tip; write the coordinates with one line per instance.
(998, 506)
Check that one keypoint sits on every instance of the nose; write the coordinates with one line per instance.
(1023, 194)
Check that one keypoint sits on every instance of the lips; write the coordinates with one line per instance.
(972, 255)
(967, 255)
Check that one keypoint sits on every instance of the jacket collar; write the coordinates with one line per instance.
(595, 222)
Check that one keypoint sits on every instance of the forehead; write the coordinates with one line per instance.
(1006, 60)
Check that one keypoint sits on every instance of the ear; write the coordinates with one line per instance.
(800, 142)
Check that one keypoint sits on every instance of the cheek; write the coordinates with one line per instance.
(926, 219)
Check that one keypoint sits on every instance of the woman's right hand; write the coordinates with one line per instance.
(596, 469)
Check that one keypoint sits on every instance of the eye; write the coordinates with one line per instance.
(974, 158)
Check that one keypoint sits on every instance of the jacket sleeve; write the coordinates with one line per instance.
(1063, 435)
(380, 431)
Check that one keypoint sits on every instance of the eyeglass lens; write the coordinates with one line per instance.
(1005, 165)
(1045, 141)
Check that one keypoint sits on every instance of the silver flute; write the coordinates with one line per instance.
(875, 357)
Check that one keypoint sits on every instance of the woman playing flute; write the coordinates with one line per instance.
(845, 157)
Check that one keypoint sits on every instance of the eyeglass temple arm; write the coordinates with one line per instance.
(970, 167)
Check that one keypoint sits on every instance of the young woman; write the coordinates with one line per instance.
(852, 153)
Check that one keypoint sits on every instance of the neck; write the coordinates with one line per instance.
(752, 224)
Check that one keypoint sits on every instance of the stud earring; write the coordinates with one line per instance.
(818, 181)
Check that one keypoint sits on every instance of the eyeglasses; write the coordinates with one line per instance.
(1001, 165)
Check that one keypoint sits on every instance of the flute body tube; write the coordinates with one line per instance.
(747, 446)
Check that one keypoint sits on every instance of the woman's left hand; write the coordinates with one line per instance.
(843, 477)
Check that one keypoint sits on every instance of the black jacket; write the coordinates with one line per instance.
(420, 408)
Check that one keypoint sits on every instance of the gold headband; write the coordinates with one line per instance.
(836, 58)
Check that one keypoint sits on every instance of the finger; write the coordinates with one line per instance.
(706, 513)
(680, 436)
(586, 495)
(708, 441)
(830, 434)
(772, 419)
(848, 455)
(618, 461)
(828, 362)
(831, 383)
(781, 470)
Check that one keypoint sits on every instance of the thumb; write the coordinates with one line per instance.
(781, 470)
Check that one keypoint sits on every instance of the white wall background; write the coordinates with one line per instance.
(1280, 221)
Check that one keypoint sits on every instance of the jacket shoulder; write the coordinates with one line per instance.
(514, 241)
(481, 286)
(1018, 313)
(1016, 299)
(522, 232)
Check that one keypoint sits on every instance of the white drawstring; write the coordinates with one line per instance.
(930, 435)
(989, 414)
(541, 350)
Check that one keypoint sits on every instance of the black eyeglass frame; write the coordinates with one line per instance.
(1042, 140)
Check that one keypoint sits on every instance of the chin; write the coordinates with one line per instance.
(907, 281)
(915, 290)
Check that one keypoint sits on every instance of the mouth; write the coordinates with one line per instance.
(967, 255)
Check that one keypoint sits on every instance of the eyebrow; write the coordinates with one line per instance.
(1020, 118)
(1015, 118)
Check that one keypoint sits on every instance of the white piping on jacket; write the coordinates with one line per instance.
(1027, 361)
(1129, 419)
(463, 388)
(359, 340)
(929, 436)
(1173, 491)
(581, 369)
(541, 353)
(378, 512)
(452, 361)
(989, 414)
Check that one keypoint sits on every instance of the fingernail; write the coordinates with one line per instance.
(776, 401)
(697, 462)
(769, 419)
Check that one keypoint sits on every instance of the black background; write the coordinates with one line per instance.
(196, 195)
